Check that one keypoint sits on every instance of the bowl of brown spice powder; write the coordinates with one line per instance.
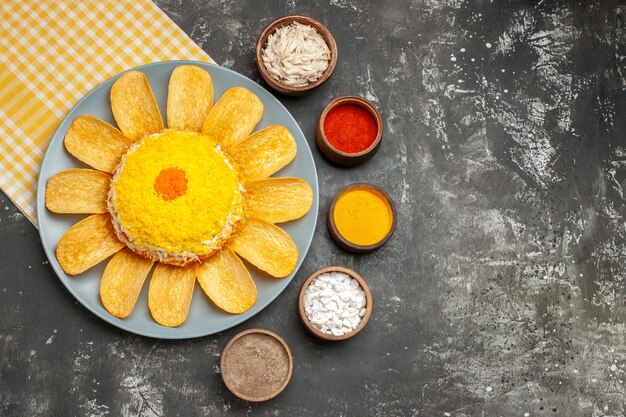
(256, 365)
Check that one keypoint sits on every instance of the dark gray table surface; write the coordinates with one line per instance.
(502, 291)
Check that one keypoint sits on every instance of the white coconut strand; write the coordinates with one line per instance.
(296, 55)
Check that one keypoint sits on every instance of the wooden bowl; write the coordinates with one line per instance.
(368, 303)
(239, 336)
(283, 21)
(343, 242)
(344, 158)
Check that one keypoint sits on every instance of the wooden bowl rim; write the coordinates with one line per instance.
(338, 237)
(257, 331)
(364, 103)
(321, 29)
(368, 306)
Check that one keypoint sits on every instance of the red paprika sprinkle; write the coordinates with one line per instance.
(350, 128)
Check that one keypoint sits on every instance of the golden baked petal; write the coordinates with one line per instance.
(121, 282)
(227, 282)
(96, 143)
(78, 191)
(189, 98)
(233, 117)
(134, 108)
(87, 243)
(277, 200)
(266, 246)
(169, 295)
(264, 153)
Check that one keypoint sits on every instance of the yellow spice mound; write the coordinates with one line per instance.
(175, 194)
(363, 216)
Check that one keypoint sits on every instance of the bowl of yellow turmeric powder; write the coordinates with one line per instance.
(361, 218)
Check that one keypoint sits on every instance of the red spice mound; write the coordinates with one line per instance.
(350, 128)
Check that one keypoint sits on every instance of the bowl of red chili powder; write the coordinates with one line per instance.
(349, 130)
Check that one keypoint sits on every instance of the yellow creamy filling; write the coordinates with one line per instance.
(176, 192)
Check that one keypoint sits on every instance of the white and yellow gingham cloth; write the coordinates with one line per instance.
(52, 53)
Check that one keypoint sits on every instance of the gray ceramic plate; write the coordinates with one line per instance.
(204, 318)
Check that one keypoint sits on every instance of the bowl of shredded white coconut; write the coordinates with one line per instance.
(335, 303)
(296, 54)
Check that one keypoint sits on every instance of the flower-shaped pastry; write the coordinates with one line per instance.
(187, 201)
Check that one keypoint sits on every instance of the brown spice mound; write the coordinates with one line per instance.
(256, 365)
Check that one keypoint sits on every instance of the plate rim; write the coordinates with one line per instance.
(108, 318)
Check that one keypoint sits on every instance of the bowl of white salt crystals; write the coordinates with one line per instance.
(295, 54)
(335, 303)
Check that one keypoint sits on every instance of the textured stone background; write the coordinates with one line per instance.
(502, 291)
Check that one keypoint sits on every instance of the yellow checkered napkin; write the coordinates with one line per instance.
(52, 53)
